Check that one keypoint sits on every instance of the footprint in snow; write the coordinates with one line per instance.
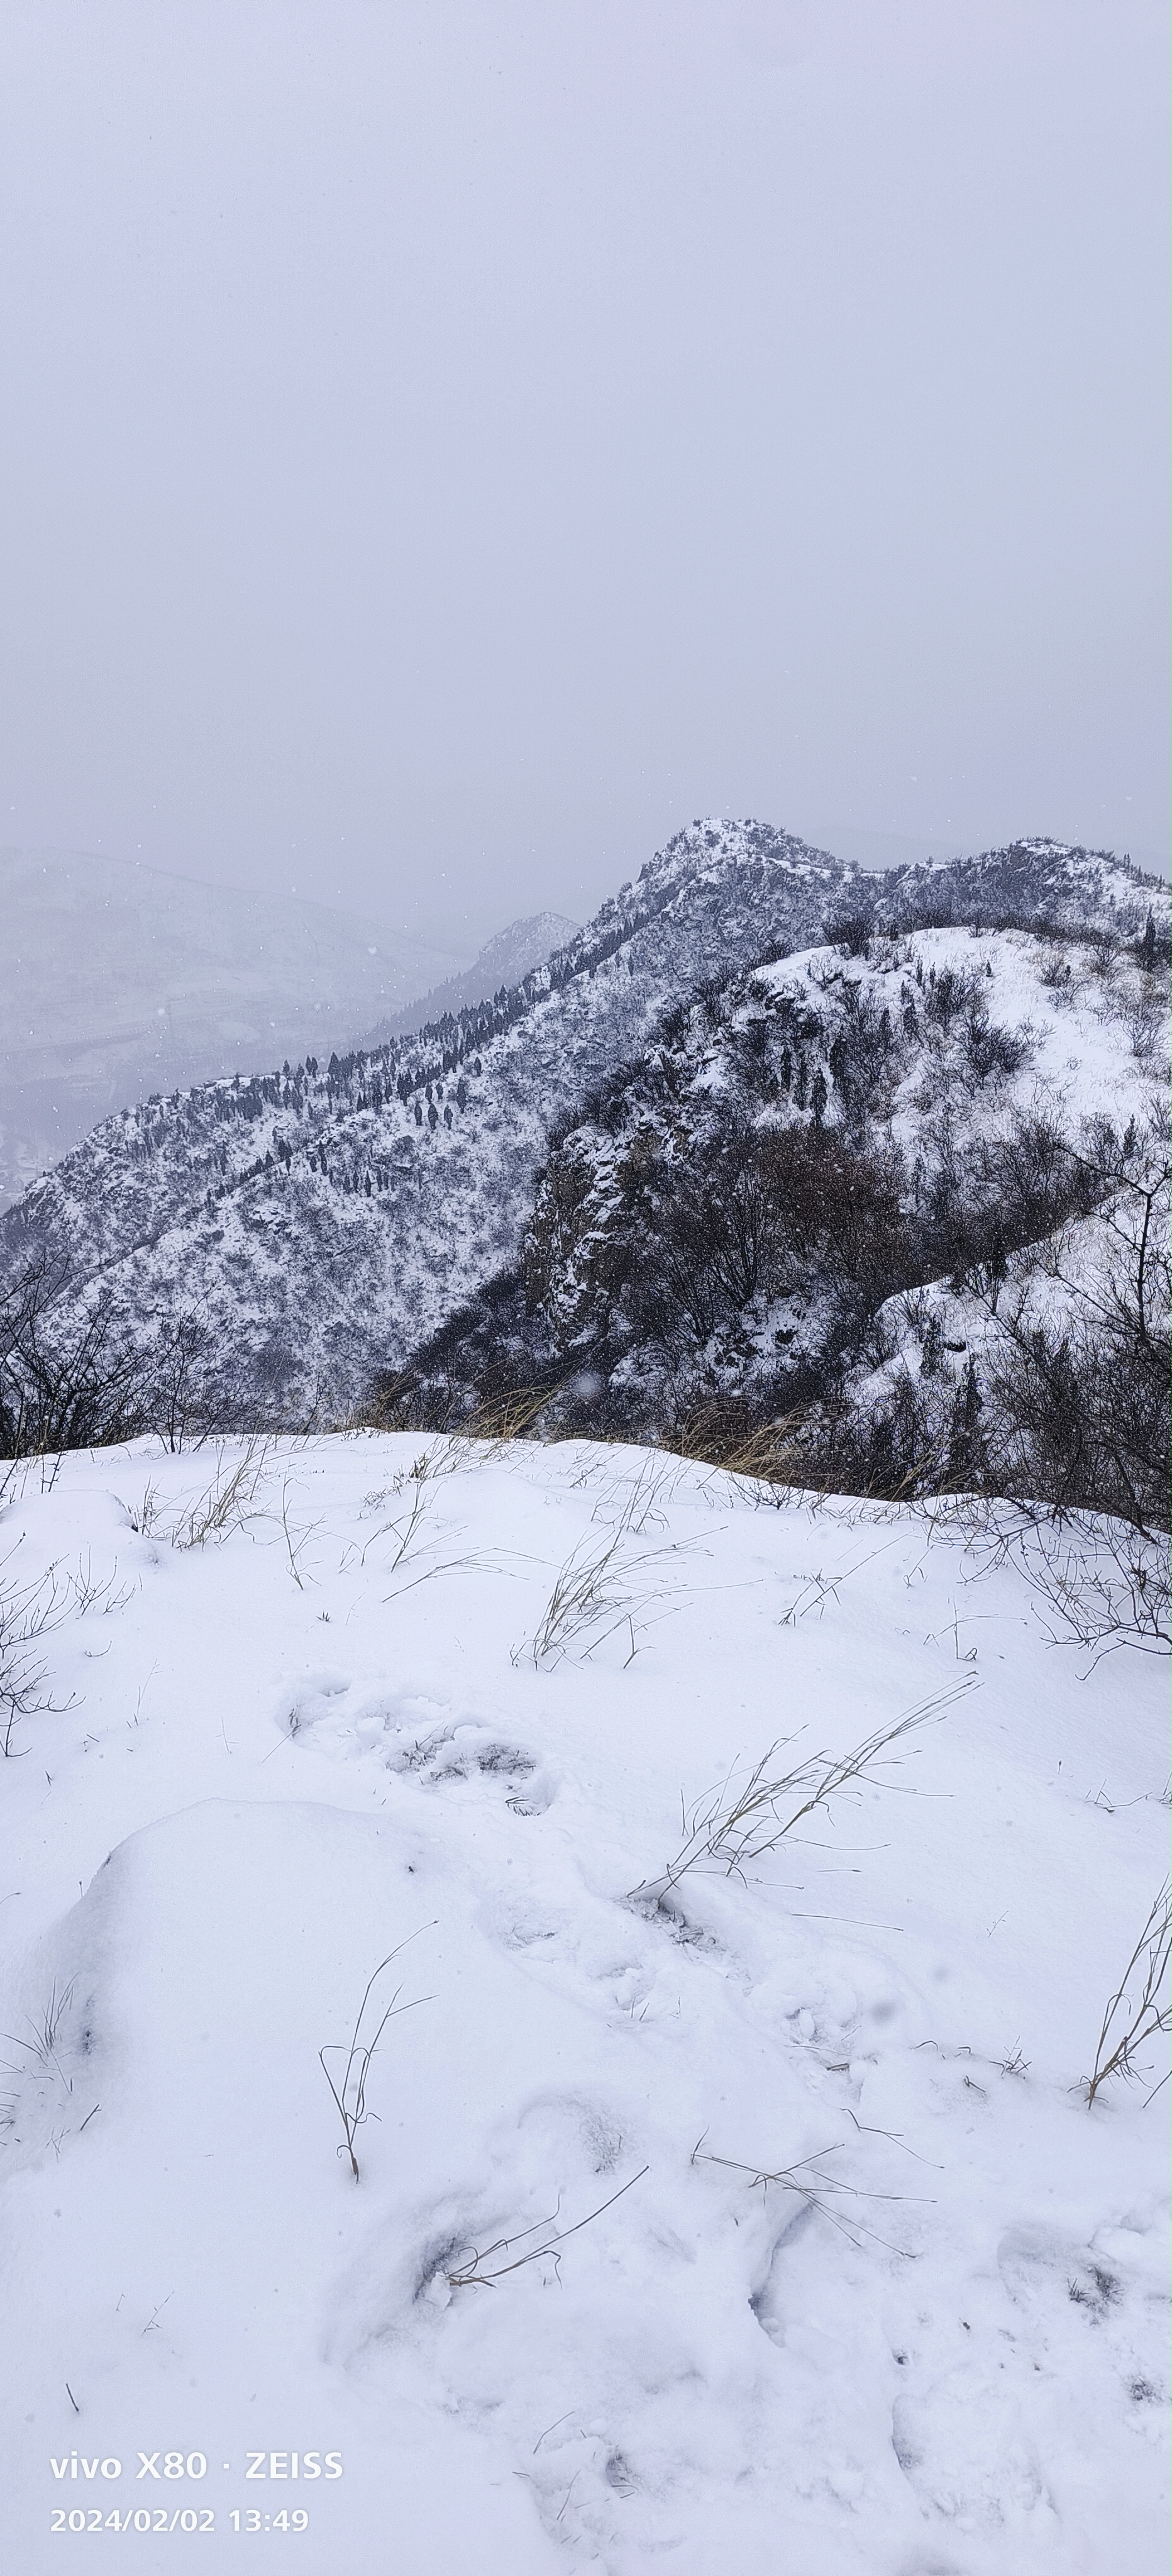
(767, 2301)
(416, 1736)
(460, 1753)
(965, 2451)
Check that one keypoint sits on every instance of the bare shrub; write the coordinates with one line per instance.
(73, 1377)
(100, 1592)
(1104, 1583)
(28, 1613)
(851, 931)
(1086, 1407)
(65, 1382)
(1144, 1007)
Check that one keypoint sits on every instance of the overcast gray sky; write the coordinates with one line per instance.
(447, 444)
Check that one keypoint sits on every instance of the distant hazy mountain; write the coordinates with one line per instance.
(513, 953)
(117, 981)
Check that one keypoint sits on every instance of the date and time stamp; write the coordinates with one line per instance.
(181, 2513)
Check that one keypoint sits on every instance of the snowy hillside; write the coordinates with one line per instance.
(323, 1219)
(117, 980)
(503, 962)
(800, 1154)
(728, 2192)
(1030, 881)
(317, 1224)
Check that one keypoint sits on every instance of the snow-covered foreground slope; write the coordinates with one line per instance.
(337, 1725)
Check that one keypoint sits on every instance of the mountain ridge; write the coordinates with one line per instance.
(502, 963)
(317, 1224)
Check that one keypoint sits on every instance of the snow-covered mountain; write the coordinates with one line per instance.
(802, 1153)
(117, 980)
(728, 2191)
(395, 1181)
(503, 962)
(318, 1223)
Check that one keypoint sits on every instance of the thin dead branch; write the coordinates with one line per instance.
(814, 2186)
(474, 2272)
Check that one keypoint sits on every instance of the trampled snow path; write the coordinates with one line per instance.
(940, 2345)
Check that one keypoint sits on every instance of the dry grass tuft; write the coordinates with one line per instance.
(605, 1586)
(495, 1425)
(1141, 2008)
(226, 1504)
(606, 1583)
(350, 2095)
(728, 1832)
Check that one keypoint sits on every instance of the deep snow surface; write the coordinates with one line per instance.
(937, 2349)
